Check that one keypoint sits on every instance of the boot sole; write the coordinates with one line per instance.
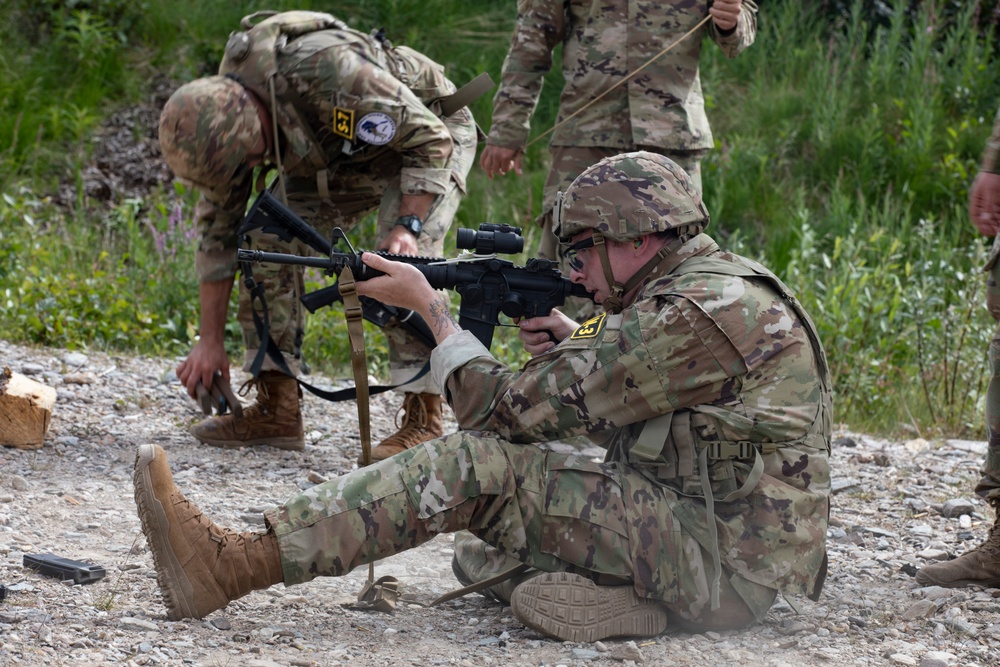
(287, 444)
(572, 608)
(176, 589)
(959, 583)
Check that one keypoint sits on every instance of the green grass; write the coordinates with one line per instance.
(844, 150)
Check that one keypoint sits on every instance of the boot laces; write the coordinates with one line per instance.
(414, 412)
(217, 534)
(991, 547)
(263, 400)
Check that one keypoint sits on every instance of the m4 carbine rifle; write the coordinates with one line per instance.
(488, 286)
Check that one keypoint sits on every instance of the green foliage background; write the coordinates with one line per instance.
(846, 139)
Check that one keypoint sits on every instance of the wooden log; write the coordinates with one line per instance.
(25, 410)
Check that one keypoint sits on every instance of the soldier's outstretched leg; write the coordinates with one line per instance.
(553, 512)
(200, 567)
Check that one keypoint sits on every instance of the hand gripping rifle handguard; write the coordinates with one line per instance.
(488, 286)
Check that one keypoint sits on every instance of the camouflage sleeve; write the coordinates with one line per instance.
(991, 156)
(216, 226)
(539, 28)
(419, 137)
(590, 384)
(735, 42)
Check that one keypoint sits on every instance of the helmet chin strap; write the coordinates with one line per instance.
(613, 304)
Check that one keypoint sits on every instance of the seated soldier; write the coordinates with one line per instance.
(703, 374)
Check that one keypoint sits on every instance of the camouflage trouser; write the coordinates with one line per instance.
(568, 162)
(353, 193)
(555, 512)
(989, 485)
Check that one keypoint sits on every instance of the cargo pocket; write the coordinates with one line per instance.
(448, 473)
(655, 536)
(584, 522)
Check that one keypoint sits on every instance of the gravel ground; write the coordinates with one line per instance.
(897, 505)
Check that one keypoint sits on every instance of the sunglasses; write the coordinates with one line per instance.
(571, 252)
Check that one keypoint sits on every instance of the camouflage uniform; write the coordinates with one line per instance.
(360, 127)
(712, 369)
(989, 485)
(709, 386)
(660, 110)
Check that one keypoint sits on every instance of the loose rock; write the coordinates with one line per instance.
(73, 497)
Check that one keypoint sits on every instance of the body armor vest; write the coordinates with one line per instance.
(668, 448)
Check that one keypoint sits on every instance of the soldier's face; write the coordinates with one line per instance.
(585, 264)
(626, 258)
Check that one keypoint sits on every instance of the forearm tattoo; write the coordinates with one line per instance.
(441, 319)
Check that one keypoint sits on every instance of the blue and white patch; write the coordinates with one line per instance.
(376, 128)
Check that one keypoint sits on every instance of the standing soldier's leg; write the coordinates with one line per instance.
(981, 566)
(275, 418)
(422, 417)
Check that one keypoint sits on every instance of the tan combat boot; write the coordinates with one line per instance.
(573, 608)
(275, 419)
(422, 421)
(979, 567)
(200, 567)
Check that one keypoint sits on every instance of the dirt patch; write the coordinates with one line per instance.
(126, 162)
(74, 498)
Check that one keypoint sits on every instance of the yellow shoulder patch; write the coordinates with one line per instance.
(343, 123)
(590, 328)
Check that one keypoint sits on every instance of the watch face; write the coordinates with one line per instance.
(411, 223)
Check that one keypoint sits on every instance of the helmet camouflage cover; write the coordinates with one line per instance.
(630, 195)
(207, 128)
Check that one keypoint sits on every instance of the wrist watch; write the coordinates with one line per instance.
(411, 223)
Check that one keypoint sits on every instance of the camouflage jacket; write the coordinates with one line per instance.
(991, 156)
(603, 42)
(698, 362)
(342, 98)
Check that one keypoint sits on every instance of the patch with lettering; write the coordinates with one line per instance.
(590, 328)
(376, 128)
(343, 123)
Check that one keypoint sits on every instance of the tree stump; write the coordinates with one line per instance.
(25, 410)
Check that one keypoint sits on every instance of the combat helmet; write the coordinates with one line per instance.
(207, 129)
(629, 196)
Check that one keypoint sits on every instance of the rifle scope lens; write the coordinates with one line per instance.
(490, 239)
